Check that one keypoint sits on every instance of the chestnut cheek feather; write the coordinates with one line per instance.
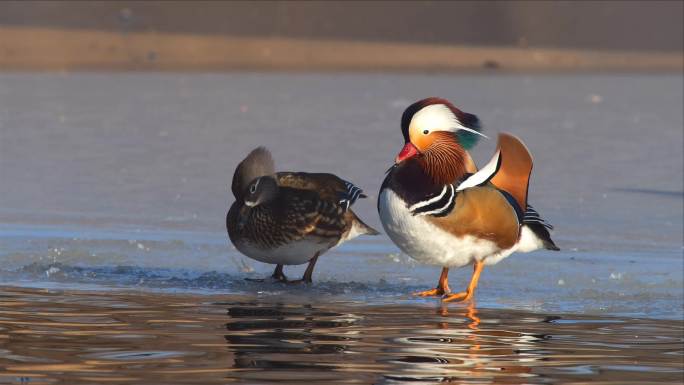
(444, 160)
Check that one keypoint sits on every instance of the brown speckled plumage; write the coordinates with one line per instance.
(305, 213)
(293, 215)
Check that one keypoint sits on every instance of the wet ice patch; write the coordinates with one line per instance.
(73, 200)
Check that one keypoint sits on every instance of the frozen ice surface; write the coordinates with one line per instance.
(122, 179)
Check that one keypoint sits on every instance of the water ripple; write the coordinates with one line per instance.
(69, 337)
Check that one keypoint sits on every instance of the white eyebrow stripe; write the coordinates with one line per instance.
(464, 128)
(438, 117)
(446, 206)
(435, 117)
(429, 201)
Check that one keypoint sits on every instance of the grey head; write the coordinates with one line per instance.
(263, 189)
(254, 180)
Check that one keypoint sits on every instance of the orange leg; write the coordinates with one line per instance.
(468, 294)
(442, 286)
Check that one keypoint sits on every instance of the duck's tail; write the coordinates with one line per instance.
(357, 227)
(536, 238)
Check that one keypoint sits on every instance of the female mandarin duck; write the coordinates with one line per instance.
(290, 218)
(440, 210)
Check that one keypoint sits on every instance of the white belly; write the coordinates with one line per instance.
(294, 253)
(427, 243)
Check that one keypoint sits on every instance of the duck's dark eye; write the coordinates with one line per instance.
(252, 188)
(425, 132)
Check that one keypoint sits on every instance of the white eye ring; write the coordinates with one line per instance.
(253, 188)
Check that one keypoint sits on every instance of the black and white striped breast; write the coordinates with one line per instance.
(439, 206)
(419, 193)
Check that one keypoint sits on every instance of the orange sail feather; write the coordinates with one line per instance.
(516, 166)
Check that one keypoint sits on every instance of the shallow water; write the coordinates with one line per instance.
(114, 182)
(55, 336)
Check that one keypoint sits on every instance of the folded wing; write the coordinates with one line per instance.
(509, 170)
(330, 187)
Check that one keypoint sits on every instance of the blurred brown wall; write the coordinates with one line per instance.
(612, 25)
(341, 35)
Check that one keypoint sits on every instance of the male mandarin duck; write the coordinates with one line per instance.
(437, 208)
(290, 218)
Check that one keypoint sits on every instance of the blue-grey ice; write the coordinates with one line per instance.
(122, 180)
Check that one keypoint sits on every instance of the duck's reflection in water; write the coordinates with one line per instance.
(456, 349)
(282, 336)
(384, 344)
